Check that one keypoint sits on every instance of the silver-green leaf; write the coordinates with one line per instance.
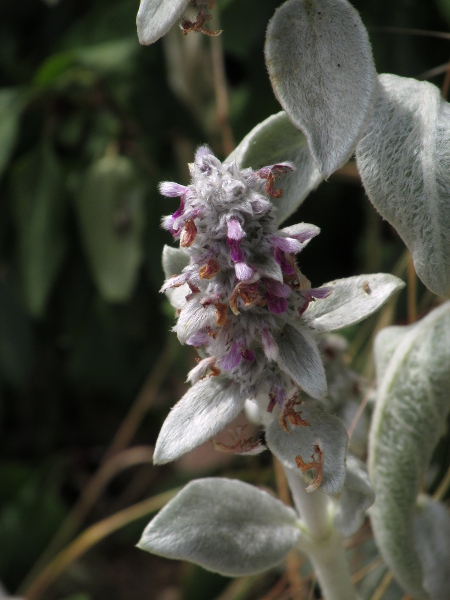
(225, 526)
(409, 418)
(173, 261)
(156, 17)
(277, 140)
(204, 410)
(299, 357)
(352, 300)
(432, 538)
(404, 161)
(320, 429)
(356, 497)
(321, 68)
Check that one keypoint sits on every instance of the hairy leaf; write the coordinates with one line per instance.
(173, 261)
(352, 300)
(156, 17)
(194, 317)
(225, 526)
(201, 413)
(321, 428)
(299, 357)
(321, 68)
(432, 539)
(273, 141)
(404, 161)
(409, 418)
(356, 497)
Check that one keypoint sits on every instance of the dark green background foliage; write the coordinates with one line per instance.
(89, 124)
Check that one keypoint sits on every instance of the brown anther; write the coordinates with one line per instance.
(294, 416)
(270, 189)
(209, 270)
(221, 314)
(189, 234)
(198, 25)
(249, 294)
(194, 289)
(314, 464)
(211, 332)
(215, 371)
(240, 445)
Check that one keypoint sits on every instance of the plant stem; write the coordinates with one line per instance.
(322, 542)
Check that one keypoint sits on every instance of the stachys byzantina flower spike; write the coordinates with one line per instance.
(242, 300)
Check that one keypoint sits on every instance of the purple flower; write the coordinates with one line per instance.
(243, 301)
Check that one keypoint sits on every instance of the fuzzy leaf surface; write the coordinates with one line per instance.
(299, 357)
(322, 427)
(156, 17)
(202, 412)
(356, 497)
(404, 161)
(277, 140)
(225, 526)
(352, 300)
(432, 538)
(320, 64)
(193, 317)
(409, 419)
(173, 261)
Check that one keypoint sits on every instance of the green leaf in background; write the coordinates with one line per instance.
(114, 56)
(30, 512)
(409, 418)
(444, 7)
(16, 340)
(11, 104)
(39, 211)
(111, 219)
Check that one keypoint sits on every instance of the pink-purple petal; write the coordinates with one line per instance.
(286, 244)
(233, 358)
(243, 272)
(276, 305)
(170, 189)
(234, 230)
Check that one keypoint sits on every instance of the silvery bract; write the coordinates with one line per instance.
(244, 304)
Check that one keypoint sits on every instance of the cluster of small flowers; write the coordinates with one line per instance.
(245, 285)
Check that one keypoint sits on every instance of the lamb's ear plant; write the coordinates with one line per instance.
(261, 330)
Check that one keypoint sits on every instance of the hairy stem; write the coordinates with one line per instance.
(322, 542)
